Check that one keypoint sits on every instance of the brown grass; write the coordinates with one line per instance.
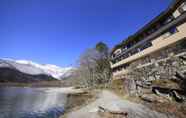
(77, 101)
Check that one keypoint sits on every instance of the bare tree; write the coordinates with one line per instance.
(87, 64)
(94, 66)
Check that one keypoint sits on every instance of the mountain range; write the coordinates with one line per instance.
(28, 71)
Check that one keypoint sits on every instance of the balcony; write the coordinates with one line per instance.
(146, 42)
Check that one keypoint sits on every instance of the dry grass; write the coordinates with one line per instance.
(117, 87)
(77, 101)
(171, 108)
(166, 83)
(166, 107)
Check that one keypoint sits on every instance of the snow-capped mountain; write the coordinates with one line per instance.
(32, 68)
(53, 70)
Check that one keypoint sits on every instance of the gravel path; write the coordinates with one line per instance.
(113, 102)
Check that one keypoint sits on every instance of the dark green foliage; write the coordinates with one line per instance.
(102, 48)
(103, 65)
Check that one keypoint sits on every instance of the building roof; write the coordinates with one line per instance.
(163, 15)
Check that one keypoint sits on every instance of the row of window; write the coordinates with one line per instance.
(146, 45)
(162, 23)
(163, 54)
(125, 66)
(120, 55)
(149, 32)
(132, 52)
(146, 34)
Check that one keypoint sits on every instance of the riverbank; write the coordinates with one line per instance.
(112, 102)
(77, 100)
(53, 83)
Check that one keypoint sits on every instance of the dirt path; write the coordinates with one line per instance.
(111, 101)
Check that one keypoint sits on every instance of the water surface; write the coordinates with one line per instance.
(18, 102)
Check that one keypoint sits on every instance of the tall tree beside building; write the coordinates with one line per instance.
(103, 69)
(94, 66)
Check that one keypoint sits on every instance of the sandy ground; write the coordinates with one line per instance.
(113, 102)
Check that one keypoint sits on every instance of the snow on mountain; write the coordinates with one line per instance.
(30, 67)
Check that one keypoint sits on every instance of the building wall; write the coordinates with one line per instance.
(120, 65)
(157, 45)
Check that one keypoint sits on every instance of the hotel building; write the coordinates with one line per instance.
(156, 40)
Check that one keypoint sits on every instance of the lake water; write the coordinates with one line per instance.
(17, 102)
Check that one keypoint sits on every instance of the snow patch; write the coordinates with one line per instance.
(49, 69)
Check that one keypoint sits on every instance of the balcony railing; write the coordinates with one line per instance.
(127, 53)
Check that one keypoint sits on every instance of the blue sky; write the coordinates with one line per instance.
(58, 31)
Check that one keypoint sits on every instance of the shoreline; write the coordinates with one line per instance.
(55, 83)
(77, 100)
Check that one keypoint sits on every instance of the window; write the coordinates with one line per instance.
(113, 55)
(129, 54)
(173, 30)
(182, 8)
(149, 44)
(113, 61)
(146, 45)
(139, 49)
(129, 45)
(166, 35)
(168, 20)
(158, 26)
(170, 32)
(124, 49)
(117, 52)
(134, 51)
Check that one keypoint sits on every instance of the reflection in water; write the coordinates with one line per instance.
(30, 103)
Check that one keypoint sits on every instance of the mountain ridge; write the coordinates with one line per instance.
(30, 68)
